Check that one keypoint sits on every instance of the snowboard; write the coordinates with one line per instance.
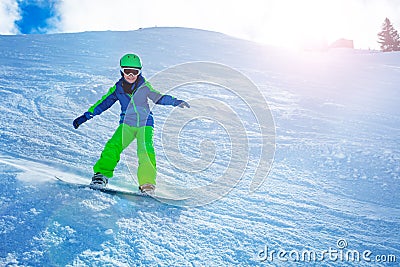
(113, 190)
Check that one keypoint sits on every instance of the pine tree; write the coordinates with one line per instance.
(389, 38)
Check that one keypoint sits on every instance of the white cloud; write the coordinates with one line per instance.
(279, 22)
(80, 15)
(9, 13)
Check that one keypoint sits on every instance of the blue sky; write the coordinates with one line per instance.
(289, 23)
(35, 16)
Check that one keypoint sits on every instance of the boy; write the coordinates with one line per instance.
(136, 122)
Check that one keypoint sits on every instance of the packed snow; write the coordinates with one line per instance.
(333, 184)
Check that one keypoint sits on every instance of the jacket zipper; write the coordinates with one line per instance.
(137, 113)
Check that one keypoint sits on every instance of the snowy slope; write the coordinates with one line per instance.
(335, 174)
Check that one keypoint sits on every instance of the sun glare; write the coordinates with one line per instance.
(309, 23)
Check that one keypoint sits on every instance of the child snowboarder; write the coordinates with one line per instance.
(136, 122)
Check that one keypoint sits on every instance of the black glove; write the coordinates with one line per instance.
(181, 104)
(85, 117)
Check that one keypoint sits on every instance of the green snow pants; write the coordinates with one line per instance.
(122, 138)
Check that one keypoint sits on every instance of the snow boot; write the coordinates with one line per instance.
(147, 189)
(99, 181)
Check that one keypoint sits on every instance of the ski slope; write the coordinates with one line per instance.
(333, 184)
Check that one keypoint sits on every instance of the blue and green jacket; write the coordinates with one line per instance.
(135, 110)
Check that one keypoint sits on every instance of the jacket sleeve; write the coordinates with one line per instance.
(105, 102)
(159, 98)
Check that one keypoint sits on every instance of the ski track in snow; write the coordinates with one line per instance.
(335, 174)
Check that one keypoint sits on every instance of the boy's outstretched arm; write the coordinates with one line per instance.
(181, 103)
(161, 99)
(103, 104)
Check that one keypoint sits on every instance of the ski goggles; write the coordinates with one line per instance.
(130, 71)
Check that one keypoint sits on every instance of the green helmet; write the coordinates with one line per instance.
(130, 60)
